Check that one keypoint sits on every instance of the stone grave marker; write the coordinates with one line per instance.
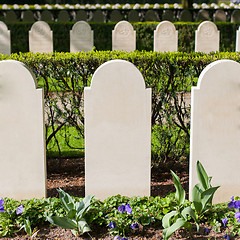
(22, 141)
(165, 37)
(98, 16)
(151, 16)
(63, 16)
(81, 15)
(116, 16)
(117, 132)
(185, 16)
(203, 15)
(47, 16)
(215, 131)
(27, 16)
(81, 37)
(219, 16)
(207, 37)
(235, 17)
(11, 17)
(168, 15)
(124, 37)
(5, 39)
(40, 38)
(133, 16)
(238, 40)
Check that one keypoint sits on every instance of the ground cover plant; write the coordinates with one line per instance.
(120, 217)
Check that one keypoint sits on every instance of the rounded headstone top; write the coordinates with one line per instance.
(122, 70)
(166, 28)
(207, 28)
(84, 26)
(40, 24)
(124, 24)
(3, 26)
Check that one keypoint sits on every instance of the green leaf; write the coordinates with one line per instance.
(62, 222)
(169, 231)
(202, 176)
(180, 193)
(27, 227)
(196, 197)
(83, 226)
(83, 206)
(72, 214)
(66, 200)
(207, 197)
(166, 221)
(188, 211)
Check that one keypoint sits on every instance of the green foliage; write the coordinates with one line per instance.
(202, 195)
(75, 212)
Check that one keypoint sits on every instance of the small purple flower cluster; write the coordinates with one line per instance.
(1, 205)
(125, 208)
(20, 210)
(119, 238)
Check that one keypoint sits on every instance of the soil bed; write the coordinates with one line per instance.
(69, 175)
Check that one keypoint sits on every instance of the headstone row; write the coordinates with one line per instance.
(115, 15)
(207, 38)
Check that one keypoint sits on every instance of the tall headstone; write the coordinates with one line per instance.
(11, 17)
(117, 132)
(207, 38)
(238, 40)
(22, 141)
(219, 16)
(81, 37)
(165, 37)
(168, 15)
(151, 16)
(116, 16)
(40, 38)
(133, 16)
(235, 17)
(5, 39)
(203, 15)
(81, 15)
(215, 132)
(124, 37)
(185, 16)
(63, 16)
(98, 16)
(27, 16)
(47, 16)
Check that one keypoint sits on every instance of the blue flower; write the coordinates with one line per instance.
(121, 208)
(112, 225)
(124, 238)
(237, 204)
(134, 226)
(227, 237)
(237, 216)
(206, 230)
(117, 238)
(20, 209)
(128, 208)
(1, 205)
(224, 221)
(234, 204)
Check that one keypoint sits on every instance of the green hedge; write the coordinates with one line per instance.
(170, 75)
(103, 36)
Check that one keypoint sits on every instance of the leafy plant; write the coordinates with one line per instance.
(202, 201)
(28, 229)
(74, 220)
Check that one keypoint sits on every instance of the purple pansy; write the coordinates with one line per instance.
(117, 238)
(1, 205)
(237, 216)
(206, 230)
(234, 204)
(121, 208)
(128, 209)
(112, 225)
(224, 221)
(20, 209)
(227, 237)
(134, 226)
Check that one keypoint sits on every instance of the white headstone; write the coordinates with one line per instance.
(40, 38)
(165, 37)
(207, 38)
(22, 141)
(5, 40)
(238, 40)
(215, 128)
(124, 37)
(81, 37)
(117, 132)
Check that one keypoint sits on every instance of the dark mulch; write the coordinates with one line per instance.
(69, 175)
